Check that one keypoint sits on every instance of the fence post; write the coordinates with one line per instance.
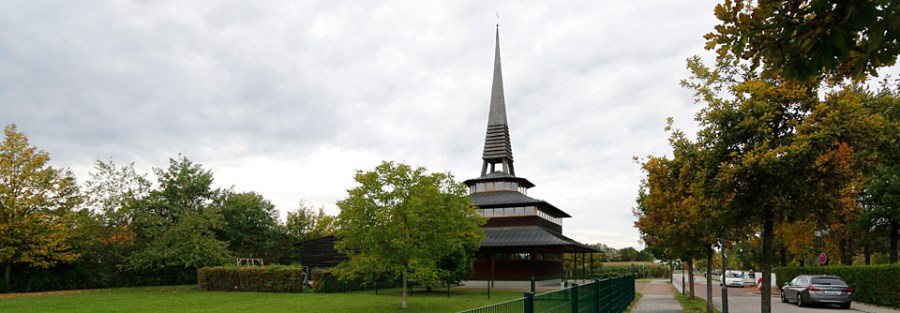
(529, 302)
(532, 284)
(597, 294)
(574, 298)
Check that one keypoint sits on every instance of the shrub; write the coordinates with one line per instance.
(647, 271)
(873, 284)
(275, 278)
(324, 281)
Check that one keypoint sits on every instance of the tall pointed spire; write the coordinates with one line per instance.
(497, 146)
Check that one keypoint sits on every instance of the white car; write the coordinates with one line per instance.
(734, 278)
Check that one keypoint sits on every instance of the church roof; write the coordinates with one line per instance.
(494, 199)
(530, 236)
(500, 176)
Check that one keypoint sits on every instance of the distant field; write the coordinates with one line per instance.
(190, 299)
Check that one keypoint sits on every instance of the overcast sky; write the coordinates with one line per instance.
(289, 99)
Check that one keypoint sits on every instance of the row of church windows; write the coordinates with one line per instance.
(497, 186)
(520, 211)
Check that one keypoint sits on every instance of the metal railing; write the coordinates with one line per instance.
(609, 295)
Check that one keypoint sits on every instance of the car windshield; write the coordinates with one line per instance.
(733, 275)
(828, 281)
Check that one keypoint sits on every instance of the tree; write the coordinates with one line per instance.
(36, 206)
(176, 225)
(111, 193)
(251, 226)
(306, 223)
(401, 221)
(882, 193)
(676, 216)
(105, 233)
(780, 154)
(808, 38)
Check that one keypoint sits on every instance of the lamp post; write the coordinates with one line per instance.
(724, 287)
(821, 234)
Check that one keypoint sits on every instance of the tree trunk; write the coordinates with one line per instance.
(768, 236)
(867, 252)
(850, 251)
(691, 275)
(709, 288)
(895, 235)
(405, 304)
(671, 273)
(6, 271)
(783, 255)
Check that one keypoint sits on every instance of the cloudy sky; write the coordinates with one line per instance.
(289, 98)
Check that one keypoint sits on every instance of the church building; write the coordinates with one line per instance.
(524, 234)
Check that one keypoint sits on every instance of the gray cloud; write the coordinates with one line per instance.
(289, 98)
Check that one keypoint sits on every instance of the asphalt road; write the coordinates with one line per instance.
(747, 300)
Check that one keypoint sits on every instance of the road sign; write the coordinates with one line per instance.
(822, 258)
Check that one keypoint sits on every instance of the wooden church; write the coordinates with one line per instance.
(524, 234)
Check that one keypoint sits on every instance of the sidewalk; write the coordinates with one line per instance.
(658, 298)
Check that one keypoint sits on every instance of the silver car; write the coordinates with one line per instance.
(808, 289)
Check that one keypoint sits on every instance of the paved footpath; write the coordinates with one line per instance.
(658, 298)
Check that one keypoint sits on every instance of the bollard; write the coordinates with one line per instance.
(532, 284)
(529, 302)
(574, 298)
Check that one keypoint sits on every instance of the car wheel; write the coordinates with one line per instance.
(800, 300)
(845, 306)
(783, 297)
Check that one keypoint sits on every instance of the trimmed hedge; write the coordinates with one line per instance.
(275, 278)
(873, 284)
(325, 282)
(647, 271)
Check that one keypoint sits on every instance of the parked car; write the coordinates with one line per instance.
(808, 289)
(734, 279)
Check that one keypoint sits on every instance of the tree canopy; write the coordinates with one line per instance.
(810, 38)
(36, 206)
(401, 221)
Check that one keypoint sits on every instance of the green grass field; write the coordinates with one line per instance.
(190, 299)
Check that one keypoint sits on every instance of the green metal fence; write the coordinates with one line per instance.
(609, 295)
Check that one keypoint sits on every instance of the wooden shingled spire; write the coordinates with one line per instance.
(497, 146)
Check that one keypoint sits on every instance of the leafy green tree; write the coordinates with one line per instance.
(176, 225)
(809, 38)
(306, 223)
(251, 226)
(779, 153)
(111, 193)
(36, 206)
(882, 193)
(105, 232)
(403, 222)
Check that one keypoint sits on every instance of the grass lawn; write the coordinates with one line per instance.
(697, 305)
(190, 299)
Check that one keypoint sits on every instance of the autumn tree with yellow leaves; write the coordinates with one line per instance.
(37, 205)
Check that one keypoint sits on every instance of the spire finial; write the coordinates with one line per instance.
(498, 19)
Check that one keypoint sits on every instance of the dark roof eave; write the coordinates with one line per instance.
(522, 181)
